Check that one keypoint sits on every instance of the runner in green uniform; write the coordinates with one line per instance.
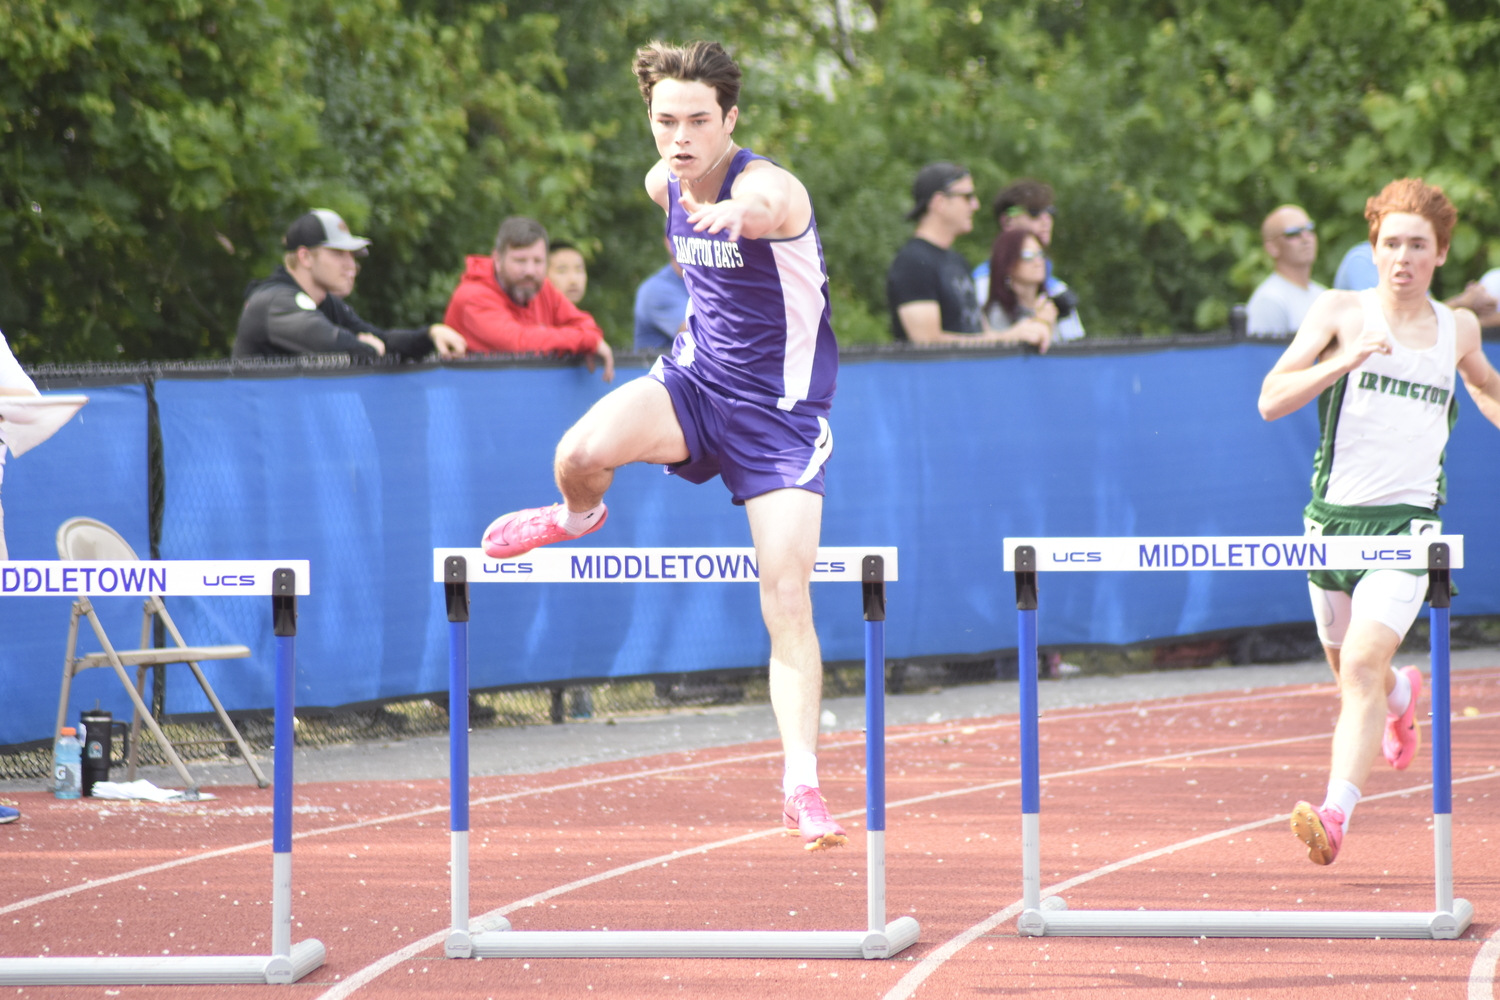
(1382, 365)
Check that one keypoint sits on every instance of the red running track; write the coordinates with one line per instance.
(1170, 804)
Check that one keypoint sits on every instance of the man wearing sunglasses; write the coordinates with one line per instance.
(1279, 303)
(928, 286)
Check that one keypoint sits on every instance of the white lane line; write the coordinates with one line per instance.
(935, 958)
(1132, 709)
(379, 821)
(95, 883)
(380, 966)
(1482, 972)
(390, 961)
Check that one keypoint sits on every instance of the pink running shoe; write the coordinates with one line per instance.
(806, 813)
(1402, 735)
(1322, 830)
(523, 530)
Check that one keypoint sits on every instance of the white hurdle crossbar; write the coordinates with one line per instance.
(871, 567)
(282, 581)
(1436, 554)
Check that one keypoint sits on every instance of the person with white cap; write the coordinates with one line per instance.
(300, 307)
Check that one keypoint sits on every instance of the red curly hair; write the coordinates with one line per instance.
(1414, 196)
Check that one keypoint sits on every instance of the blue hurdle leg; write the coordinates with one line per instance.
(875, 771)
(1439, 595)
(1026, 667)
(458, 767)
(284, 626)
(1442, 763)
(456, 593)
(281, 798)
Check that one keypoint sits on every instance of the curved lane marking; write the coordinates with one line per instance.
(390, 961)
(935, 958)
(1128, 709)
(1482, 972)
(372, 971)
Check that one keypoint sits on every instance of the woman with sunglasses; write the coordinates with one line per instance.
(1017, 303)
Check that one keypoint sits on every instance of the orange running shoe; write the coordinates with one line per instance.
(806, 813)
(1402, 736)
(523, 530)
(1322, 830)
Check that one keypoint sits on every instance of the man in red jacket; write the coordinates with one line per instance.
(504, 303)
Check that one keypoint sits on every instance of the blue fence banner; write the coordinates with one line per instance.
(95, 466)
(364, 475)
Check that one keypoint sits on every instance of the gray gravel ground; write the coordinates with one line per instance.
(533, 749)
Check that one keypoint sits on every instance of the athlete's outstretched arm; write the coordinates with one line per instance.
(765, 201)
(1479, 375)
(1299, 376)
(656, 183)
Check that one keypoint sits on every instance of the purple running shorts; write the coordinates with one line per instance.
(754, 448)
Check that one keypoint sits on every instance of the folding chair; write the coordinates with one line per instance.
(85, 538)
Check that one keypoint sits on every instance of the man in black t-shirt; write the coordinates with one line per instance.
(929, 285)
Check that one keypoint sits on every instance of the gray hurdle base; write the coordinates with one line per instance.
(1050, 917)
(287, 962)
(467, 939)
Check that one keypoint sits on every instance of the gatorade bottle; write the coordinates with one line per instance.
(67, 764)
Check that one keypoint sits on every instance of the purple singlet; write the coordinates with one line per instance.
(758, 316)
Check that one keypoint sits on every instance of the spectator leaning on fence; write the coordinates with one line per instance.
(567, 271)
(1279, 303)
(661, 305)
(929, 288)
(1028, 205)
(300, 307)
(504, 303)
(1017, 305)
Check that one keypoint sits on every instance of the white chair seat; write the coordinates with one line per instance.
(158, 657)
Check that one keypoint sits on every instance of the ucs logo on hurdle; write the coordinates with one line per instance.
(173, 578)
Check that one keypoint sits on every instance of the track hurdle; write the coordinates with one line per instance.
(871, 567)
(1437, 554)
(282, 581)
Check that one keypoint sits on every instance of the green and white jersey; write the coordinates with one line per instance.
(1385, 425)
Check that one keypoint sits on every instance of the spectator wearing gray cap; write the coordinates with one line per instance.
(929, 287)
(300, 307)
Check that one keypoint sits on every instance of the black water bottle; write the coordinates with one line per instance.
(96, 731)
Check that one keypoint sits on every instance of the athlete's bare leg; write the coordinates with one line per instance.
(785, 525)
(1363, 669)
(634, 423)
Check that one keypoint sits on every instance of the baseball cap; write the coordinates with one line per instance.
(930, 180)
(322, 228)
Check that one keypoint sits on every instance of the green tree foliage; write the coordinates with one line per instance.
(152, 152)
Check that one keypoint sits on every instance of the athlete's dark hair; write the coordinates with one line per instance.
(1413, 195)
(556, 245)
(1004, 256)
(695, 62)
(1034, 197)
(519, 231)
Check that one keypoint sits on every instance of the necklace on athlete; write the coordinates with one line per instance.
(694, 184)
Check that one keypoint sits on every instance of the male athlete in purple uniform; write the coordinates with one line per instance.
(745, 393)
